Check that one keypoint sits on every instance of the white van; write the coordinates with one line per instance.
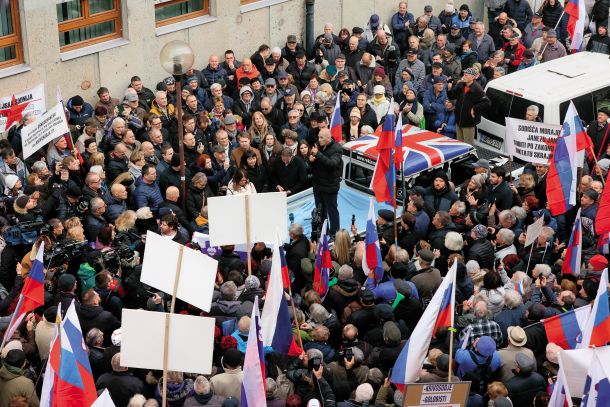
(583, 77)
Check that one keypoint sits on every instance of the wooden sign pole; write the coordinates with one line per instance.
(248, 248)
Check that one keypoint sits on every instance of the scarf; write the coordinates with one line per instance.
(413, 105)
(293, 148)
(268, 151)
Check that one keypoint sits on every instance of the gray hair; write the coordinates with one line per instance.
(546, 233)
(512, 299)
(545, 269)
(151, 403)
(500, 70)
(345, 272)
(367, 129)
(96, 203)
(200, 176)
(215, 85)
(202, 385)
(93, 336)
(276, 51)
(97, 169)
(38, 166)
(319, 314)
(480, 309)
(160, 93)
(460, 207)
(402, 256)
(481, 24)
(228, 291)
(117, 120)
(296, 229)
(519, 212)
(506, 235)
(454, 241)
(314, 353)
(472, 267)
(137, 400)
(534, 109)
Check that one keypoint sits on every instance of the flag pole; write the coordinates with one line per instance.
(554, 28)
(595, 159)
(529, 258)
(294, 313)
(10, 324)
(167, 325)
(248, 249)
(450, 373)
(510, 168)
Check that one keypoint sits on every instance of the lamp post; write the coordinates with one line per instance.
(176, 58)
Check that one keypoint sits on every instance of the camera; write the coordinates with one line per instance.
(345, 354)
(26, 233)
(117, 257)
(314, 363)
(61, 253)
(316, 224)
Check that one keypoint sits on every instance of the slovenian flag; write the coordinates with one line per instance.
(275, 318)
(560, 396)
(253, 384)
(566, 328)
(597, 329)
(572, 259)
(576, 23)
(371, 260)
(336, 121)
(439, 312)
(398, 153)
(32, 294)
(48, 393)
(597, 387)
(323, 263)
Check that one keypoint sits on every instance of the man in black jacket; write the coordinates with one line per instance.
(289, 174)
(121, 384)
(471, 102)
(301, 70)
(598, 131)
(93, 315)
(172, 194)
(325, 159)
(500, 193)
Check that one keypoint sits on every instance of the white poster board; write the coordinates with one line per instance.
(45, 129)
(190, 345)
(531, 141)
(197, 275)
(533, 231)
(13, 107)
(268, 214)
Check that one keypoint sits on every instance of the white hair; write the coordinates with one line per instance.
(137, 400)
(519, 212)
(545, 269)
(276, 51)
(454, 241)
(534, 109)
(97, 169)
(512, 299)
(202, 385)
(506, 235)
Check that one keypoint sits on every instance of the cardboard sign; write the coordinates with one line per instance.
(531, 141)
(13, 107)
(197, 274)
(533, 231)
(190, 343)
(267, 213)
(45, 129)
(436, 394)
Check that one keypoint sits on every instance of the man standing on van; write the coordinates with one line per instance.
(325, 158)
(598, 131)
(471, 102)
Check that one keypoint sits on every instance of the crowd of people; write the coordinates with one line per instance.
(260, 123)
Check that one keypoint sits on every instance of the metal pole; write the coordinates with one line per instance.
(180, 143)
(309, 23)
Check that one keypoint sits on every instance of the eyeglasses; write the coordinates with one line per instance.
(270, 86)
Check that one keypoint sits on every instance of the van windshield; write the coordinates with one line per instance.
(505, 105)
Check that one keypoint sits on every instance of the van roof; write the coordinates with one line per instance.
(421, 149)
(560, 79)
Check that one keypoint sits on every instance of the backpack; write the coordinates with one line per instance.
(482, 375)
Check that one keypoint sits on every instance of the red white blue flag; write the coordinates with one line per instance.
(371, 260)
(336, 121)
(597, 329)
(572, 259)
(253, 384)
(575, 9)
(566, 328)
(323, 263)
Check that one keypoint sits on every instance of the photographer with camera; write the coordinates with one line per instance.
(307, 373)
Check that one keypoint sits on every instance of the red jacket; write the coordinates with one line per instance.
(515, 55)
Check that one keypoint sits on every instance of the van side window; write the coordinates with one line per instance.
(601, 98)
(584, 107)
(505, 105)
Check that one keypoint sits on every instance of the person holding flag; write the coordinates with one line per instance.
(371, 260)
(597, 328)
(572, 260)
(323, 264)
(383, 182)
(577, 13)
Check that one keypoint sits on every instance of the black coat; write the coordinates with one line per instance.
(93, 227)
(466, 101)
(115, 167)
(502, 196)
(483, 252)
(121, 385)
(599, 136)
(179, 214)
(522, 388)
(195, 199)
(327, 168)
(92, 316)
(291, 177)
(295, 251)
(301, 77)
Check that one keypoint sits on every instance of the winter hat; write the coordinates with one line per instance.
(604, 164)
(245, 89)
(486, 346)
(379, 71)
(50, 313)
(449, 8)
(480, 231)
(175, 160)
(551, 33)
(331, 70)
(66, 282)
(230, 402)
(591, 193)
(402, 287)
(10, 180)
(598, 262)
(11, 345)
(313, 403)
(379, 90)
(386, 215)
(364, 392)
(228, 342)
(524, 361)
(442, 362)
(252, 282)
(442, 175)
(116, 336)
(230, 119)
(355, 112)
(470, 71)
(22, 201)
(15, 358)
(232, 358)
(374, 20)
(383, 312)
(502, 401)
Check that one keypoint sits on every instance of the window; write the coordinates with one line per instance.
(584, 107)
(87, 22)
(11, 51)
(173, 11)
(501, 102)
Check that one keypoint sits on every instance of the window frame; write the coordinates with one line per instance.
(90, 19)
(15, 39)
(184, 17)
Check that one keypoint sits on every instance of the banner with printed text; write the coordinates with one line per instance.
(13, 107)
(530, 141)
(49, 126)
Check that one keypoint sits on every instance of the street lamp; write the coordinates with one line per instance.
(176, 58)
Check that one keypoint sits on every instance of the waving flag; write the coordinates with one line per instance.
(560, 397)
(519, 287)
(384, 178)
(47, 395)
(576, 23)
(603, 242)
(572, 259)
(275, 318)
(323, 263)
(371, 260)
(561, 179)
(602, 219)
(411, 358)
(336, 121)
(387, 135)
(398, 153)
(597, 329)
(253, 384)
(566, 328)
(597, 387)
(75, 386)
(31, 297)
(285, 272)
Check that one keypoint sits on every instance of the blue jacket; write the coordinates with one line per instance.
(327, 351)
(386, 290)
(213, 76)
(114, 207)
(148, 195)
(466, 364)
(448, 117)
(398, 23)
(78, 118)
(434, 104)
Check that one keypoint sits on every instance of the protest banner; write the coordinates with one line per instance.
(197, 274)
(436, 394)
(533, 231)
(531, 141)
(13, 107)
(49, 126)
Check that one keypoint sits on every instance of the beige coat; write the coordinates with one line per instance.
(228, 384)
(507, 356)
(44, 333)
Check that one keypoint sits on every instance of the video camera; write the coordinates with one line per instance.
(316, 224)
(61, 253)
(117, 257)
(26, 233)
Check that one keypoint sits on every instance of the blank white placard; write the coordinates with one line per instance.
(191, 341)
(197, 275)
